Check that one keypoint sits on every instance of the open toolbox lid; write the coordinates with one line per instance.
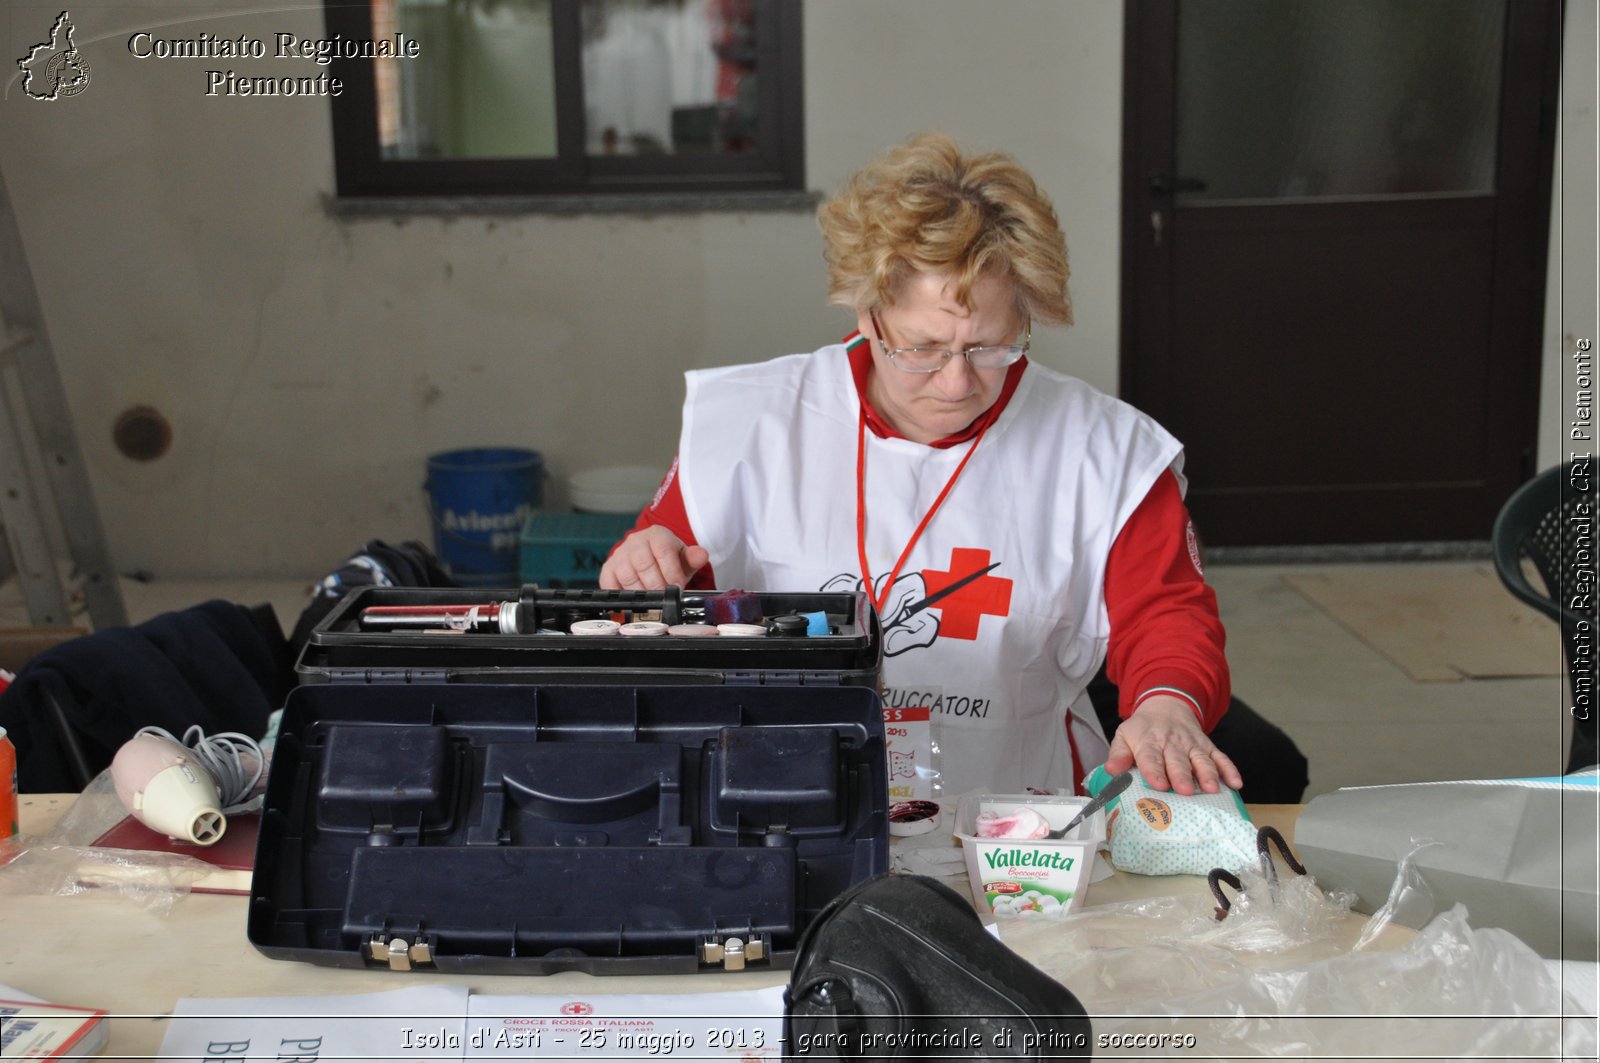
(343, 649)
(528, 829)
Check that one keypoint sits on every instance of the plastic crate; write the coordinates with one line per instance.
(567, 549)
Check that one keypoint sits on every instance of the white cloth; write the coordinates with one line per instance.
(767, 466)
(628, 79)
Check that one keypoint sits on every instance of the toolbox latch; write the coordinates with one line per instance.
(781, 679)
(400, 954)
(733, 952)
(386, 676)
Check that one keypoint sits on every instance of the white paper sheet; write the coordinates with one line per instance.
(744, 1025)
(429, 1024)
(423, 1024)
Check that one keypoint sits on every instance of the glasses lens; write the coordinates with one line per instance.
(995, 357)
(920, 359)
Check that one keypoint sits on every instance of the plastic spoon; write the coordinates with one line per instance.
(1096, 803)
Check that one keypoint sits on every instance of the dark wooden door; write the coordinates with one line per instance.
(1334, 252)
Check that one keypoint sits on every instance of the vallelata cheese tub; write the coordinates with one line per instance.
(1029, 878)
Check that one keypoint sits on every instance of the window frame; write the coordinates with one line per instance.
(778, 164)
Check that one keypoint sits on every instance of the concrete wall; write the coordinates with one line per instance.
(309, 363)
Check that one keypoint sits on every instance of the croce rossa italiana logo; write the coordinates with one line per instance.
(55, 69)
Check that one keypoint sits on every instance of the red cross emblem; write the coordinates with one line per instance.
(961, 610)
(577, 1007)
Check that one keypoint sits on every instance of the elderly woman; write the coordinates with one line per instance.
(1014, 526)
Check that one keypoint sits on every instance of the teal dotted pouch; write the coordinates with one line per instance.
(1157, 832)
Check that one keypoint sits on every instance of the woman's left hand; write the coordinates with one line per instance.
(1164, 739)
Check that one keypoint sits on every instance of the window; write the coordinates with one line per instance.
(544, 97)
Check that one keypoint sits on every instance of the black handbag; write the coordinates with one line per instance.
(900, 967)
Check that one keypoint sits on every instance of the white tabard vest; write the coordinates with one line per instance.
(767, 466)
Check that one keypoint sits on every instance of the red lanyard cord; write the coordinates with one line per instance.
(879, 601)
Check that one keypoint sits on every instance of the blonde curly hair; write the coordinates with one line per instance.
(928, 206)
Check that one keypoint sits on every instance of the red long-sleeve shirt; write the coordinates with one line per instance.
(1166, 636)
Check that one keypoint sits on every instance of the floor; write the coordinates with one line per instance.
(1359, 718)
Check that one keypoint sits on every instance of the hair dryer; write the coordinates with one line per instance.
(165, 787)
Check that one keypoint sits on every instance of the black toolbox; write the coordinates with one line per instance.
(342, 649)
(502, 808)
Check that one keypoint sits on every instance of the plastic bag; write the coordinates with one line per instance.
(1451, 992)
(1285, 979)
(1118, 957)
(65, 863)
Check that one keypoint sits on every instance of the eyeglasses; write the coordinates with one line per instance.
(933, 359)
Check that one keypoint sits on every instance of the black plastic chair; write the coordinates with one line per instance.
(1551, 521)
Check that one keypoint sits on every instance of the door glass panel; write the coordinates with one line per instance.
(482, 84)
(1294, 99)
(669, 76)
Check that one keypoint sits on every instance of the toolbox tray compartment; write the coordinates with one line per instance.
(531, 829)
(340, 649)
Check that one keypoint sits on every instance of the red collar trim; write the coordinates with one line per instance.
(860, 352)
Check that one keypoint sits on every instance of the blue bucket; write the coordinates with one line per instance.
(480, 498)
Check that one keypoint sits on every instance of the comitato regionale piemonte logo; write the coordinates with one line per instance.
(55, 69)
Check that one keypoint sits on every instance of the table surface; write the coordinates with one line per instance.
(106, 952)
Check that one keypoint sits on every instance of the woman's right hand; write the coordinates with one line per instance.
(650, 559)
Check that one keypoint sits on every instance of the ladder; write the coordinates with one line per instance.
(45, 502)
